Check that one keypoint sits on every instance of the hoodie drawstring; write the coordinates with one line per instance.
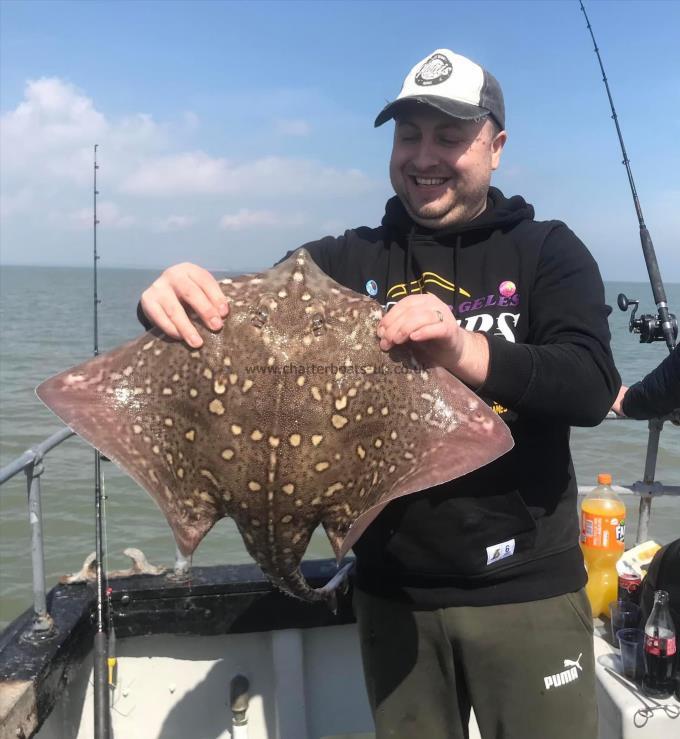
(456, 289)
(408, 267)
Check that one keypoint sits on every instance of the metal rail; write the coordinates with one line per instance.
(31, 463)
(648, 488)
(646, 491)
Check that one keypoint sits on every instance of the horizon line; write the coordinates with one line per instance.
(232, 271)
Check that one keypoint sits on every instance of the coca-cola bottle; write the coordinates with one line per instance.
(660, 649)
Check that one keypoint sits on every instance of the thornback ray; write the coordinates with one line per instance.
(288, 417)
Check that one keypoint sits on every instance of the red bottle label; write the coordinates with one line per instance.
(660, 647)
(629, 583)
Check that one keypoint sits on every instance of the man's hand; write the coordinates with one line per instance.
(183, 285)
(427, 320)
(618, 403)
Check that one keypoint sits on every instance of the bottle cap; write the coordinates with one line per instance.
(604, 478)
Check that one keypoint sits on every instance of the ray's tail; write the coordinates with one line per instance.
(295, 584)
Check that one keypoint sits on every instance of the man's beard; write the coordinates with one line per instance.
(452, 212)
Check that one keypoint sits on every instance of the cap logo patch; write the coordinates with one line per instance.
(435, 70)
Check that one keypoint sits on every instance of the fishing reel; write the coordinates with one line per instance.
(647, 325)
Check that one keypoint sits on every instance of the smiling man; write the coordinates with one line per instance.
(470, 594)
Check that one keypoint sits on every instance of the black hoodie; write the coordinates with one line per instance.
(658, 393)
(509, 531)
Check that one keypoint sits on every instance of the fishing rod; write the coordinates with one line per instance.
(102, 715)
(663, 326)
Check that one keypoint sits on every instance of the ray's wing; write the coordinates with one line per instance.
(136, 405)
(399, 430)
(445, 432)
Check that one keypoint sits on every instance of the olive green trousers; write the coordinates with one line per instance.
(527, 669)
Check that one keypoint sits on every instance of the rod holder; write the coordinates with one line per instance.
(42, 626)
(182, 569)
(239, 699)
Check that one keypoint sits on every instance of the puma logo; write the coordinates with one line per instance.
(574, 662)
(566, 676)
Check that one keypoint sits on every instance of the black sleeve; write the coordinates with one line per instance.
(565, 369)
(328, 254)
(141, 317)
(658, 393)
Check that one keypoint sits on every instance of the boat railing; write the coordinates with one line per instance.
(32, 464)
(647, 488)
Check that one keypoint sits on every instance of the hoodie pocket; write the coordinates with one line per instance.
(465, 537)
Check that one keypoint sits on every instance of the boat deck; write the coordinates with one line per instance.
(180, 645)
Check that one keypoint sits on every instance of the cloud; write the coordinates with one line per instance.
(181, 174)
(272, 175)
(109, 215)
(292, 127)
(52, 132)
(196, 173)
(160, 185)
(258, 218)
(172, 223)
(54, 128)
(53, 114)
(18, 202)
(48, 130)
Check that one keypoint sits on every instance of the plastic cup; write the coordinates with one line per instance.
(624, 615)
(631, 642)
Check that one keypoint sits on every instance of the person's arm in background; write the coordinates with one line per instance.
(657, 394)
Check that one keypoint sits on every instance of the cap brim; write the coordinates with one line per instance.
(454, 108)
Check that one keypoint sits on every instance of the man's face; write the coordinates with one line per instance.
(441, 166)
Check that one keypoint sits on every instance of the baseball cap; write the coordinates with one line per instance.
(453, 84)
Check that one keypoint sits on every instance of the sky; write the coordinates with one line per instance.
(231, 132)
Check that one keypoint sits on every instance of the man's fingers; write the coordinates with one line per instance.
(211, 288)
(426, 333)
(419, 325)
(161, 321)
(177, 316)
(389, 324)
(153, 310)
(428, 306)
(163, 309)
(171, 318)
(396, 312)
(400, 331)
(194, 296)
(185, 285)
(209, 301)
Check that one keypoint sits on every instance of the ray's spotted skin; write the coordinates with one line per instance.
(289, 417)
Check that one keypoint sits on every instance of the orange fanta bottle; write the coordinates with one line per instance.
(603, 526)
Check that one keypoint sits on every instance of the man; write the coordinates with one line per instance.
(469, 594)
(656, 394)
